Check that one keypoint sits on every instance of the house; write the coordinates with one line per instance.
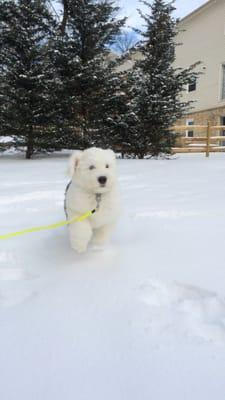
(202, 34)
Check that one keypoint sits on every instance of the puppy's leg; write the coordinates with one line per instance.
(102, 235)
(80, 235)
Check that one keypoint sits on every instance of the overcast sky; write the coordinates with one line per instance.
(129, 8)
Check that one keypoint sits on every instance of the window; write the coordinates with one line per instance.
(192, 86)
(190, 133)
(222, 133)
(223, 82)
(222, 120)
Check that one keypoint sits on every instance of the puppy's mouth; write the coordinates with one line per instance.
(102, 188)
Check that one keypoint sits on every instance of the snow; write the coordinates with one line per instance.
(145, 318)
(6, 139)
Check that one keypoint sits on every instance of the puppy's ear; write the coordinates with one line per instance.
(74, 161)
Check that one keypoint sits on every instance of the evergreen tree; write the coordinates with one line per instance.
(90, 100)
(155, 86)
(27, 79)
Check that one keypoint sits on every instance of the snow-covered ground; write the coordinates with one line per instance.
(142, 320)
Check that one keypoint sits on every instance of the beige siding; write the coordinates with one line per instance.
(130, 62)
(203, 40)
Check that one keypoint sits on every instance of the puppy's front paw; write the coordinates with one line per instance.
(101, 235)
(99, 241)
(79, 247)
(80, 236)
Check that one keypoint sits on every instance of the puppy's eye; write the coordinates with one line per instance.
(92, 167)
(107, 166)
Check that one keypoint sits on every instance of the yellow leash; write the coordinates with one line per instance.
(46, 227)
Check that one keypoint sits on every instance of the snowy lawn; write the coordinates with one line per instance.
(143, 320)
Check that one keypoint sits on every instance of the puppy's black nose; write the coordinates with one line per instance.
(102, 180)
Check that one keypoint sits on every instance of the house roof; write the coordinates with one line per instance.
(209, 3)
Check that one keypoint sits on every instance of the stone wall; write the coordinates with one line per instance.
(212, 116)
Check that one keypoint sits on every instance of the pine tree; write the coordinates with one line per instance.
(91, 101)
(154, 86)
(27, 77)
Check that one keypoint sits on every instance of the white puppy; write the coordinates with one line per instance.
(93, 186)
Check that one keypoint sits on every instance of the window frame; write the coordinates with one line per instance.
(190, 122)
(222, 85)
(222, 133)
(191, 84)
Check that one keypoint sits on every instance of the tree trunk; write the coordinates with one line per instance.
(30, 144)
(65, 17)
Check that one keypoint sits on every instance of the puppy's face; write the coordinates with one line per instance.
(94, 169)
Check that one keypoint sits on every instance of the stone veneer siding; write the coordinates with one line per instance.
(202, 117)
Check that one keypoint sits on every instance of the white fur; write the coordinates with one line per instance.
(81, 197)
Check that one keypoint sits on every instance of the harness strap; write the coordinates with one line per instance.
(98, 198)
